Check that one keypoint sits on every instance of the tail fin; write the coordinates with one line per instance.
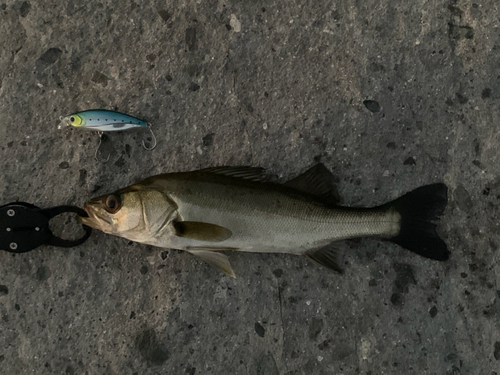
(418, 209)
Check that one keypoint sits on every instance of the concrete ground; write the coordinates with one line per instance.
(389, 95)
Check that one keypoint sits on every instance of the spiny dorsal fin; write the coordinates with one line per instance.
(198, 230)
(317, 181)
(246, 173)
(215, 259)
(328, 256)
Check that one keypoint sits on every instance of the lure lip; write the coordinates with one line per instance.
(64, 122)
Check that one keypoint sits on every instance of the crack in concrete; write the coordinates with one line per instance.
(282, 324)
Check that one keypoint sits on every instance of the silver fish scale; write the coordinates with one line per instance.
(264, 219)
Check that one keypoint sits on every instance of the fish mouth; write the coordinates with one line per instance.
(86, 221)
(94, 219)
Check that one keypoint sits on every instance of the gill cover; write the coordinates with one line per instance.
(135, 213)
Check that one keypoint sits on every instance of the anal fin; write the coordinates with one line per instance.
(215, 259)
(328, 256)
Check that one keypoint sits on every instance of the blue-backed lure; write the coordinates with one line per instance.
(102, 120)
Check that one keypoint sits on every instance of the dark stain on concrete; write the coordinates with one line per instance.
(278, 272)
(208, 140)
(462, 99)
(50, 56)
(433, 311)
(82, 179)
(410, 161)
(164, 14)
(25, 9)
(315, 328)
(191, 38)
(404, 278)
(99, 78)
(266, 365)
(391, 145)
(324, 345)
(128, 150)
(120, 162)
(259, 329)
(151, 349)
(372, 105)
(4, 290)
(456, 32)
(194, 87)
(463, 199)
(455, 11)
(486, 93)
(496, 353)
(193, 70)
(43, 273)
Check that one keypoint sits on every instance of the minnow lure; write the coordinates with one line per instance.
(102, 120)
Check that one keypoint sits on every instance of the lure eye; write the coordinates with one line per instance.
(75, 120)
(113, 203)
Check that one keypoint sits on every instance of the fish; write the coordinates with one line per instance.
(211, 210)
(102, 120)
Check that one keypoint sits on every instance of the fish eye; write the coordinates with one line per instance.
(72, 119)
(113, 203)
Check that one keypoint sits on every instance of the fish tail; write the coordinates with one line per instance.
(419, 209)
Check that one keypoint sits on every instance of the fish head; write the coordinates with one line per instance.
(72, 120)
(136, 213)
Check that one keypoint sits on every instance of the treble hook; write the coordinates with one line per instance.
(100, 133)
(154, 138)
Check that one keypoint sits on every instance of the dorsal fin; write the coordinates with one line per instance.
(246, 173)
(317, 181)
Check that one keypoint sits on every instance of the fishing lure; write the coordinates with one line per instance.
(102, 120)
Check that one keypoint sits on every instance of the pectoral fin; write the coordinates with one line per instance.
(198, 230)
(328, 256)
(215, 259)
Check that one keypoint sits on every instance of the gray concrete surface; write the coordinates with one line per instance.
(389, 95)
